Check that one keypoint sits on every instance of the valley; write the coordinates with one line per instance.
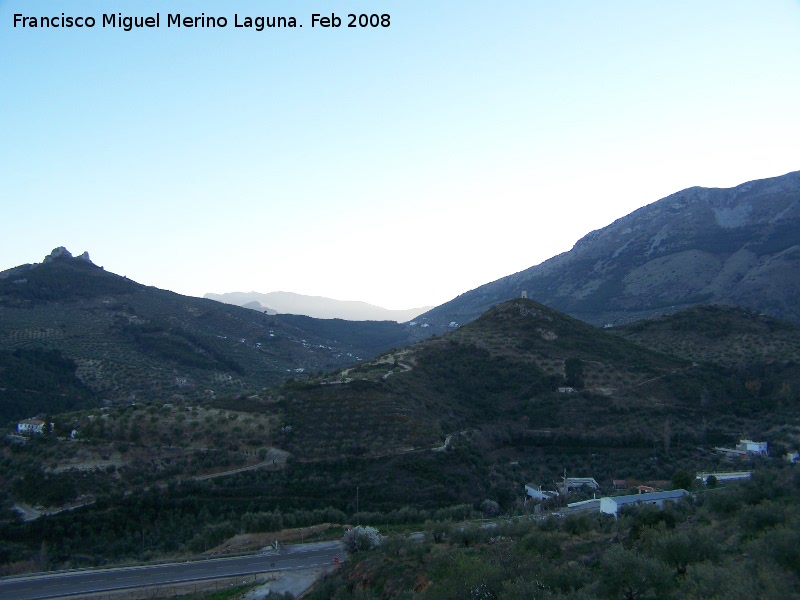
(145, 426)
(428, 433)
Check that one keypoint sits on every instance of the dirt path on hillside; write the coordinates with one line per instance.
(276, 459)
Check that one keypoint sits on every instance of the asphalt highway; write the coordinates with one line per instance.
(77, 583)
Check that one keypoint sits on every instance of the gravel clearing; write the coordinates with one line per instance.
(294, 582)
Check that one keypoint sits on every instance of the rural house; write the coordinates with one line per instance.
(745, 449)
(30, 427)
(576, 483)
(753, 448)
(611, 506)
(535, 492)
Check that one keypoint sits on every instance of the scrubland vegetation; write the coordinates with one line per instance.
(737, 542)
(430, 438)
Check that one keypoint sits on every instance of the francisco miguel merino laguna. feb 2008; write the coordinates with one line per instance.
(171, 20)
(203, 21)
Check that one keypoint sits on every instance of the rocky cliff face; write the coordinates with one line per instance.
(738, 246)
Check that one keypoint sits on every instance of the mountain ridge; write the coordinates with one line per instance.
(135, 342)
(737, 246)
(319, 307)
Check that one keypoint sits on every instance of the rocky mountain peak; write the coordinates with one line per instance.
(62, 252)
(738, 246)
(57, 253)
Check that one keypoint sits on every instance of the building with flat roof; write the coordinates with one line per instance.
(745, 449)
(726, 476)
(586, 506)
(576, 483)
(613, 504)
(751, 447)
(535, 491)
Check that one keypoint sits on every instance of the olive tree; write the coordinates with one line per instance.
(360, 538)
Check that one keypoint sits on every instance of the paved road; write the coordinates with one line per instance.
(76, 583)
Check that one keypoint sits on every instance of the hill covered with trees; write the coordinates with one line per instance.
(133, 343)
(443, 427)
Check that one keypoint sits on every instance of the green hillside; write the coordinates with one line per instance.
(737, 542)
(130, 342)
(724, 335)
(502, 373)
(39, 381)
(454, 421)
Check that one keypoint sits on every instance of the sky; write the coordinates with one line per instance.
(399, 165)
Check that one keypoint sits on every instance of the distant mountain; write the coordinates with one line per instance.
(126, 341)
(737, 246)
(316, 306)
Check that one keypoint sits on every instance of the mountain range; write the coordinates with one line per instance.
(737, 246)
(129, 342)
(518, 395)
(316, 306)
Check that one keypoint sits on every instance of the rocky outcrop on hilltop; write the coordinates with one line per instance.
(62, 252)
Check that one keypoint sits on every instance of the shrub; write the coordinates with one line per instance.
(436, 531)
(682, 479)
(545, 544)
(783, 546)
(490, 508)
(361, 538)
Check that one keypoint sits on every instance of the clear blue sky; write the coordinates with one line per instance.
(400, 166)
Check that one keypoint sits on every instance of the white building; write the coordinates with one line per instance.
(751, 447)
(586, 506)
(727, 476)
(30, 427)
(612, 505)
(535, 492)
(576, 483)
(745, 449)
